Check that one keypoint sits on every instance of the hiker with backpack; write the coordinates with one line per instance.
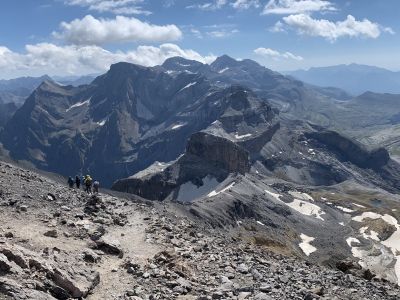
(77, 182)
(70, 182)
(88, 184)
(96, 186)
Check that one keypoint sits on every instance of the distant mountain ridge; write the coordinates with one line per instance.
(132, 116)
(354, 78)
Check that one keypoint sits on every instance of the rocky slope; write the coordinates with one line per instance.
(58, 243)
(300, 182)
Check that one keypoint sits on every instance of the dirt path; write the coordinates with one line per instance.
(28, 229)
(113, 277)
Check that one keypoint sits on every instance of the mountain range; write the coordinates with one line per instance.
(235, 144)
(355, 79)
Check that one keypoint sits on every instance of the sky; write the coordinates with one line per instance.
(77, 37)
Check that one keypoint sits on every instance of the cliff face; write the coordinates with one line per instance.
(351, 151)
(206, 155)
(219, 152)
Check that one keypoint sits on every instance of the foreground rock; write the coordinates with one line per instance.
(65, 277)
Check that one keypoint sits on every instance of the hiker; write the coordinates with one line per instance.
(96, 186)
(88, 184)
(70, 182)
(77, 182)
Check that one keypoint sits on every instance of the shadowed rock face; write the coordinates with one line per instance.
(352, 151)
(219, 152)
(6, 112)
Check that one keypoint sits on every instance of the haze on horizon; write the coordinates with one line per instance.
(78, 37)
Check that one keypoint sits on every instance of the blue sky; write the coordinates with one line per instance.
(63, 37)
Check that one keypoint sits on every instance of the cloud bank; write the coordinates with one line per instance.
(92, 31)
(276, 55)
(120, 7)
(287, 7)
(49, 58)
(350, 27)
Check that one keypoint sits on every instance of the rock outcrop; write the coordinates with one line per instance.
(205, 155)
(350, 150)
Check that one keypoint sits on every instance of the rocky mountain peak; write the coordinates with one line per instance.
(223, 62)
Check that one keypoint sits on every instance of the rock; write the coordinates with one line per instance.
(242, 268)
(184, 283)
(9, 234)
(5, 265)
(51, 233)
(90, 256)
(77, 286)
(110, 246)
(318, 291)
(14, 254)
(265, 287)
(346, 265)
(217, 295)
(256, 275)
(262, 296)
(244, 295)
(23, 208)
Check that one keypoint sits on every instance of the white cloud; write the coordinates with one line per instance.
(124, 7)
(222, 33)
(197, 33)
(245, 4)
(92, 31)
(278, 27)
(217, 4)
(48, 58)
(276, 55)
(350, 27)
(286, 7)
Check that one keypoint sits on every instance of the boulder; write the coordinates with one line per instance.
(109, 246)
(5, 265)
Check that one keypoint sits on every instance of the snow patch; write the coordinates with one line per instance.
(345, 209)
(215, 193)
(102, 123)
(341, 223)
(79, 104)
(274, 195)
(177, 126)
(239, 137)
(393, 242)
(260, 223)
(359, 205)
(302, 196)
(305, 244)
(372, 236)
(187, 86)
(223, 70)
(306, 208)
(354, 250)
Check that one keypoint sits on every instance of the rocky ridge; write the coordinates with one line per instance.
(58, 243)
